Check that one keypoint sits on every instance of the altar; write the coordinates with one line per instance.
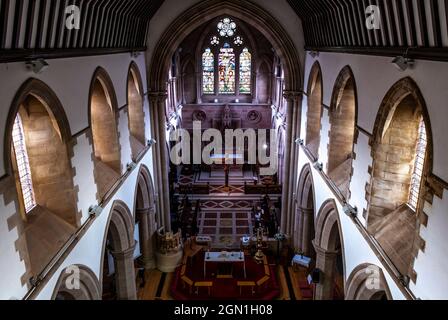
(224, 257)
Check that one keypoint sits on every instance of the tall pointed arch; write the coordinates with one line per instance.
(314, 113)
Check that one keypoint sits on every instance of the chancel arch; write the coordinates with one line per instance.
(367, 282)
(117, 268)
(77, 282)
(343, 116)
(402, 160)
(136, 113)
(304, 230)
(314, 113)
(330, 259)
(103, 115)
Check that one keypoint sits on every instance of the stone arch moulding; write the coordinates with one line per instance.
(304, 229)
(362, 285)
(399, 91)
(48, 98)
(328, 229)
(210, 9)
(89, 286)
(120, 225)
(145, 215)
(135, 108)
(403, 104)
(343, 130)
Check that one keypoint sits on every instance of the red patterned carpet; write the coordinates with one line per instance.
(225, 288)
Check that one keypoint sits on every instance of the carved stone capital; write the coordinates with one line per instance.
(125, 254)
(145, 211)
(157, 96)
(292, 95)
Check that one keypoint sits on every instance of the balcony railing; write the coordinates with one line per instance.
(40, 280)
(401, 280)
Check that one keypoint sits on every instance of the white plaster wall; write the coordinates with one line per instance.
(88, 250)
(374, 76)
(11, 267)
(85, 182)
(356, 249)
(70, 80)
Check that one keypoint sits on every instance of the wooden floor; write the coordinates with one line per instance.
(157, 284)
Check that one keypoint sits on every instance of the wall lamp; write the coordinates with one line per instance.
(135, 54)
(37, 66)
(95, 210)
(350, 211)
(318, 166)
(151, 142)
(314, 53)
(130, 166)
(300, 142)
(403, 62)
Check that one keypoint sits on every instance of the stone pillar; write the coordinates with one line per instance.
(326, 262)
(147, 228)
(158, 100)
(307, 224)
(198, 87)
(125, 274)
(298, 231)
(292, 109)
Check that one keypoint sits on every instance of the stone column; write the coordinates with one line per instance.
(290, 148)
(326, 262)
(159, 100)
(299, 223)
(147, 228)
(156, 154)
(198, 87)
(307, 224)
(125, 274)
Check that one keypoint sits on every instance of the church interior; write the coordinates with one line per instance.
(223, 150)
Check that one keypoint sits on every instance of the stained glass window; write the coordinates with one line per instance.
(238, 40)
(208, 72)
(226, 27)
(419, 163)
(226, 70)
(245, 71)
(23, 165)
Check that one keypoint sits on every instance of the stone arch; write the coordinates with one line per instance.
(145, 215)
(314, 113)
(210, 9)
(329, 246)
(343, 119)
(44, 124)
(103, 119)
(119, 242)
(391, 218)
(305, 211)
(136, 113)
(89, 286)
(367, 282)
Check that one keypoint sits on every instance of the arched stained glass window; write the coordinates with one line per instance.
(226, 70)
(208, 72)
(245, 71)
